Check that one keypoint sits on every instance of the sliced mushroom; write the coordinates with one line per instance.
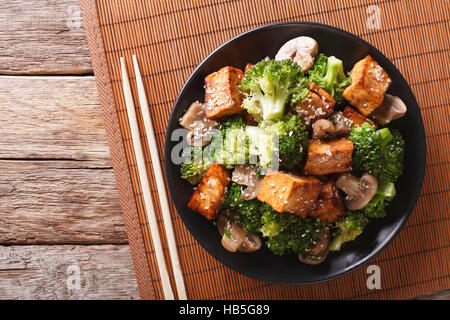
(392, 108)
(221, 222)
(359, 190)
(200, 129)
(337, 126)
(323, 129)
(234, 237)
(319, 252)
(251, 243)
(342, 125)
(246, 175)
(302, 50)
(195, 112)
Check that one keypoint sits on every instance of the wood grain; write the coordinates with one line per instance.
(440, 295)
(57, 183)
(52, 118)
(67, 272)
(58, 202)
(42, 37)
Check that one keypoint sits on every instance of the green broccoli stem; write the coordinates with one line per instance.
(270, 230)
(386, 189)
(337, 242)
(334, 66)
(385, 135)
(273, 105)
(385, 192)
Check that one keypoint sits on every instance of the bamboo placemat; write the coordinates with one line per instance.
(171, 38)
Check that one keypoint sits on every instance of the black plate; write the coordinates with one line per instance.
(253, 46)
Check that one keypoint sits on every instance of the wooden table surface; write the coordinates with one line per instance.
(62, 235)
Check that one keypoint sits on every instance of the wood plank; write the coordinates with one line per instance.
(67, 272)
(43, 37)
(58, 202)
(52, 118)
(67, 192)
(440, 295)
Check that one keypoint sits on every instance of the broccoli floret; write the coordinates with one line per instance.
(376, 206)
(379, 152)
(236, 143)
(248, 210)
(298, 236)
(229, 145)
(285, 232)
(395, 152)
(234, 122)
(194, 165)
(292, 140)
(353, 224)
(271, 85)
(348, 229)
(260, 147)
(273, 222)
(285, 141)
(328, 73)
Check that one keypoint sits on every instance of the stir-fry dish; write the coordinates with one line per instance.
(292, 152)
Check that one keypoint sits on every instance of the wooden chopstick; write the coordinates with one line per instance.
(160, 182)
(167, 289)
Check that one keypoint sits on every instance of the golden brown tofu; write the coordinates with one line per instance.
(286, 192)
(208, 196)
(357, 119)
(329, 207)
(222, 94)
(321, 92)
(369, 84)
(325, 157)
(317, 105)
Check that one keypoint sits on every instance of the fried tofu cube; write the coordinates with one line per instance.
(286, 192)
(369, 84)
(319, 104)
(356, 118)
(325, 157)
(329, 207)
(209, 195)
(222, 94)
(313, 87)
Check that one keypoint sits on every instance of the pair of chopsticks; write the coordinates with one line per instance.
(148, 201)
